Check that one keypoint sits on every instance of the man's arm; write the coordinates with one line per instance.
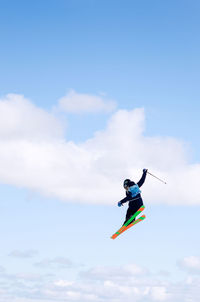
(127, 198)
(142, 180)
(124, 200)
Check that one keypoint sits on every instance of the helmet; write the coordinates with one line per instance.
(127, 183)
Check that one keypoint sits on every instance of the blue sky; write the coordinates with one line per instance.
(140, 53)
(92, 92)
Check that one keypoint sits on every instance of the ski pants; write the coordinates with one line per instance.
(133, 207)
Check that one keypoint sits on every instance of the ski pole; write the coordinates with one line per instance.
(156, 177)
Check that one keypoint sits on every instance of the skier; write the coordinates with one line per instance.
(133, 196)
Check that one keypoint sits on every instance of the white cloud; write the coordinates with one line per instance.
(29, 277)
(114, 272)
(21, 120)
(58, 262)
(2, 269)
(190, 264)
(34, 154)
(114, 284)
(159, 293)
(75, 102)
(23, 254)
(63, 283)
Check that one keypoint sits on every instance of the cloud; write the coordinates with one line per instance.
(30, 277)
(23, 254)
(75, 102)
(58, 262)
(118, 283)
(114, 272)
(34, 154)
(2, 269)
(158, 293)
(190, 264)
(63, 283)
(22, 120)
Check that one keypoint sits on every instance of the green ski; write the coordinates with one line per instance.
(133, 223)
(127, 223)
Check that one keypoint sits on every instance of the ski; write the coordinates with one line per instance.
(127, 223)
(133, 223)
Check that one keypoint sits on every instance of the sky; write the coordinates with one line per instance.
(91, 93)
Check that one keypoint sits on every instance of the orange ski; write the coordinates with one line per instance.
(133, 223)
(122, 229)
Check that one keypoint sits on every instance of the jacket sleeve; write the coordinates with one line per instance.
(127, 198)
(142, 179)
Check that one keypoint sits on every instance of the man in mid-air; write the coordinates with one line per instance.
(133, 196)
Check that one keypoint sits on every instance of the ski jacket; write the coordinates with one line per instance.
(134, 191)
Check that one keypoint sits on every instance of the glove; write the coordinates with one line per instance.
(119, 204)
(145, 170)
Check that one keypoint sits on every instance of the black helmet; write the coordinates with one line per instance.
(127, 183)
